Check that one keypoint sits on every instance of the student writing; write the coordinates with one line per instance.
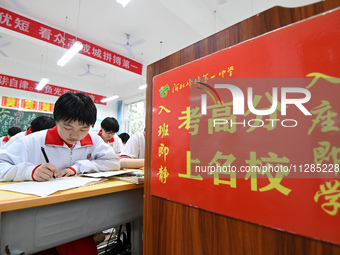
(69, 145)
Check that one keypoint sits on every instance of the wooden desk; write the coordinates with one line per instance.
(30, 223)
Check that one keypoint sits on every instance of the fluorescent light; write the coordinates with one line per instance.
(76, 47)
(42, 84)
(123, 2)
(109, 98)
(143, 86)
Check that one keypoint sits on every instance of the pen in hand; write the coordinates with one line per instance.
(46, 158)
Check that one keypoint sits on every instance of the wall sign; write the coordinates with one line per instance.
(269, 155)
(26, 26)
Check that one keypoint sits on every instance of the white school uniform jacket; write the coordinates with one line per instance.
(134, 147)
(17, 136)
(91, 154)
(115, 142)
(3, 141)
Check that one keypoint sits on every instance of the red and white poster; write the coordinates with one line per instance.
(253, 131)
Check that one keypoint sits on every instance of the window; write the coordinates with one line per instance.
(134, 117)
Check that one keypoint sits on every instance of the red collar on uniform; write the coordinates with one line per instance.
(5, 139)
(53, 138)
(29, 131)
(110, 141)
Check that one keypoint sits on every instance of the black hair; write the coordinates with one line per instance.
(41, 123)
(13, 130)
(110, 124)
(77, 106)
(124, 136)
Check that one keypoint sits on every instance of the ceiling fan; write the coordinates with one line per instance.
(4, 44)
(88, 72)
(128, 46)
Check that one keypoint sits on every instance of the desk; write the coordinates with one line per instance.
(30, 223)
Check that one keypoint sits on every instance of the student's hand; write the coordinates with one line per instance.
(44, 172)
(65, 173)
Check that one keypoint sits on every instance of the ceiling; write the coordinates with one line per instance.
(157, 28)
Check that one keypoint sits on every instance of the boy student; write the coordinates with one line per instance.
(69, 146)
(39, 123)
(108, 132)
(12, 131)
(70, 149)
(133, 153)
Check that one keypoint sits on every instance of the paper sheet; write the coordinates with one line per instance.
(109, 173)
(46, 188)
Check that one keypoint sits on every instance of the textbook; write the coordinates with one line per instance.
(136, 176)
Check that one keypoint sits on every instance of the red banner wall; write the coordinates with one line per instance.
(52, 90)
(304, 200)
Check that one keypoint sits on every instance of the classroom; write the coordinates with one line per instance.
(256, 79)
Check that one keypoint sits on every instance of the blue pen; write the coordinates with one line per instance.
(45, 156)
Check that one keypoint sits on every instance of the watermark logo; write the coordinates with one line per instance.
(238, 99)
(289, 96)
(204, 97)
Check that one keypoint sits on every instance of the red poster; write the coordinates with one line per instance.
(29, 104)
(26, 26)
(53, 90)
(46, 107)
(10, 102)
(253, 131)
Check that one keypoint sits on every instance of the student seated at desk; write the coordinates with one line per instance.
(125, 137)
(133, 153)
(108, 132)
(39, 123)
(11, 132)
(71, 150)
(69, 146)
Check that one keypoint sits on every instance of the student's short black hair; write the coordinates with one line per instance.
(41, 123)
(110, 124)
(13, 130)
(124, 136)
(77, 106)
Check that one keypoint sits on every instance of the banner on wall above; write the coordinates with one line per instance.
(52, 90)
(253, 131)
(32, 28)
